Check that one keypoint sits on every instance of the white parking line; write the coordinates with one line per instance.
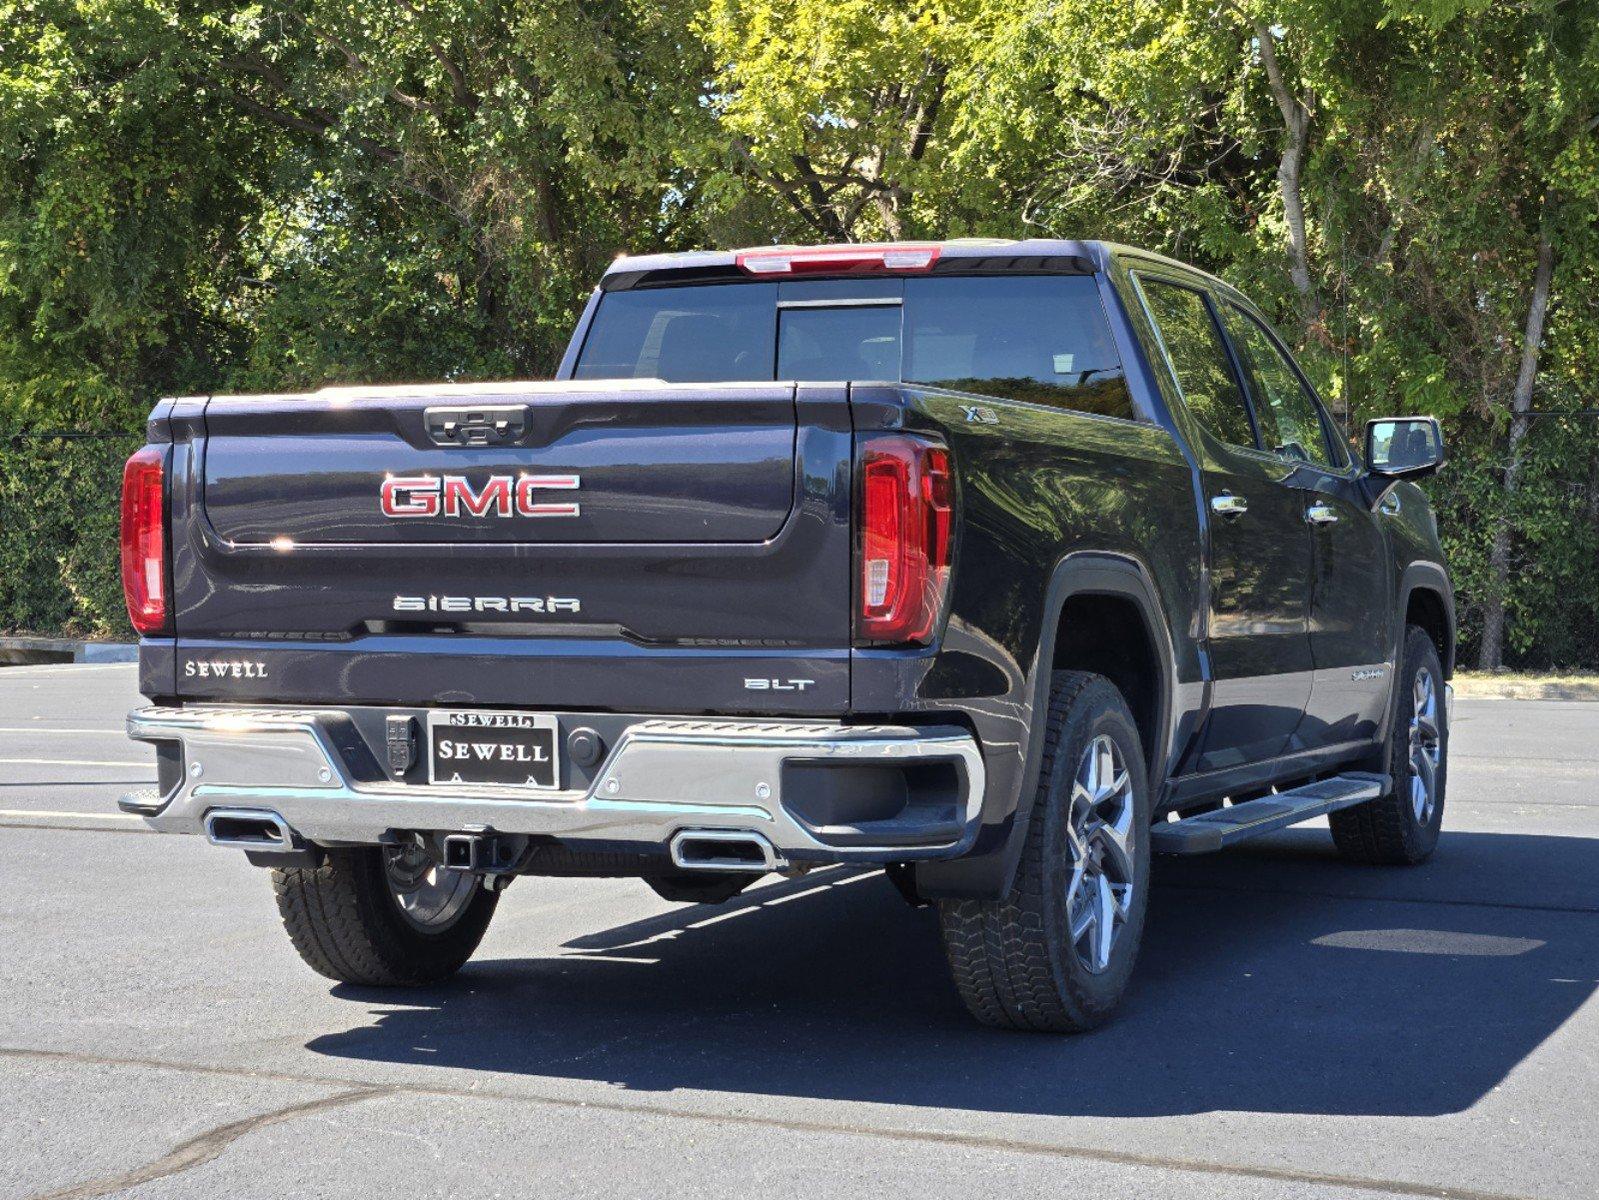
(51, 813)
(64, 668)
(46, 729)
(72, 762)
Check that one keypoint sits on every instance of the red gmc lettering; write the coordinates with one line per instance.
(454, 496)
(528, 484)
(460, 501)
(410, 496)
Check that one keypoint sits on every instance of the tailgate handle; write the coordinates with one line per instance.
(482, 425)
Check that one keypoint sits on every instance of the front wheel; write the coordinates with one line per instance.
(1402, 827)
(1056, 952)
(383, 916)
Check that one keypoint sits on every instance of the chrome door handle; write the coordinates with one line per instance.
(1228, 505)
(1321, 514)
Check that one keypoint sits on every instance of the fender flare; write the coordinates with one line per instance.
(1424, 575)
(1428, 576)
(1085, 572)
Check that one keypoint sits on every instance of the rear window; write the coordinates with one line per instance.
(1038, 338)
(714, 333)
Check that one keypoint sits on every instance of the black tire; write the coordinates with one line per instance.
(344, 920)
(1387, 830)
(1014, 960)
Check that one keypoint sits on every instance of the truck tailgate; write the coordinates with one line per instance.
(636, 547)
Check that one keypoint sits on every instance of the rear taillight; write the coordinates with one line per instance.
(144, 541)
(906, 505)
(896, 257)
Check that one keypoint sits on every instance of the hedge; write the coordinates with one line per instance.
(59, 514)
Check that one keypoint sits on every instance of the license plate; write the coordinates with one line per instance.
(507, 749)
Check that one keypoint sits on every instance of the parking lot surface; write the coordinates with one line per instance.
(1297, 1028)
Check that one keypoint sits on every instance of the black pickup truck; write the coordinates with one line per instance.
(1001, 564)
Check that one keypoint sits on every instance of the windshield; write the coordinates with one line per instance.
(1039, 338)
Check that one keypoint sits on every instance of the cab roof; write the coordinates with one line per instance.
(954, 256)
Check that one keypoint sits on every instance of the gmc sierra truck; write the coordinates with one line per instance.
(1000, 564)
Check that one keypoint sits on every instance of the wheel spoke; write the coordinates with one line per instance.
(1117, 841)
(1109, 777)
(1084, 917)
(1116, 788)
(1123, 894)
(1104, 923)
(1427, 726)
(1075, 887)
(1426, 772)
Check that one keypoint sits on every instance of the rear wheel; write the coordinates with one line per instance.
(1402, 827)
(383, 916)
(1055, 954)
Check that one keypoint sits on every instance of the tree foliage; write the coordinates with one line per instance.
(197, 196)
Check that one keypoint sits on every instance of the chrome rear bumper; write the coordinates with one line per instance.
(662, 777)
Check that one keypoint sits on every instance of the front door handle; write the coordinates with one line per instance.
(1321, 514)
(1228, 505)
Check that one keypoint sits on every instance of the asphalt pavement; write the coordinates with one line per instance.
(1297, 1027)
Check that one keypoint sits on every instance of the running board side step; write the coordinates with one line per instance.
(1210, 831)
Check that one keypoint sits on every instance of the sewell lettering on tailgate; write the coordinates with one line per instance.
(224, 669)
(454, 496)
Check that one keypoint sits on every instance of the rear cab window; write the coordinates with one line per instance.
(1039, 339)
(709, 333)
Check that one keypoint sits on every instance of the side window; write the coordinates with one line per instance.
(1198, 360)
(1290, 422)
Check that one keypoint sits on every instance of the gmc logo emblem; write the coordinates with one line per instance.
(454, 496)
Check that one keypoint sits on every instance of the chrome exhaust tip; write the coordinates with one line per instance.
(250, 829)
(724, 850)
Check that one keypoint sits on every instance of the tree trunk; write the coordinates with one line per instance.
(1296, 119)
(1491, 655)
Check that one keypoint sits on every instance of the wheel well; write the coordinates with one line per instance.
(1425, 608)
(1109, 636)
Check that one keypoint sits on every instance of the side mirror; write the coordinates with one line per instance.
(1404, 447)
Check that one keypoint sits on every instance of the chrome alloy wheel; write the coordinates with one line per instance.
(428, 896)
(1099, 895)
(1425, 746)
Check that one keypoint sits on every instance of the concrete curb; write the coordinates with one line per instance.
(1512, 687)
(27, 650)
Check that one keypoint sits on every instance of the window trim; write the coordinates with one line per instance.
(845, 302)
(1137, 274)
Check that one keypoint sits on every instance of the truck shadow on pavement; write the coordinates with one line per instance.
(1274, 978)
